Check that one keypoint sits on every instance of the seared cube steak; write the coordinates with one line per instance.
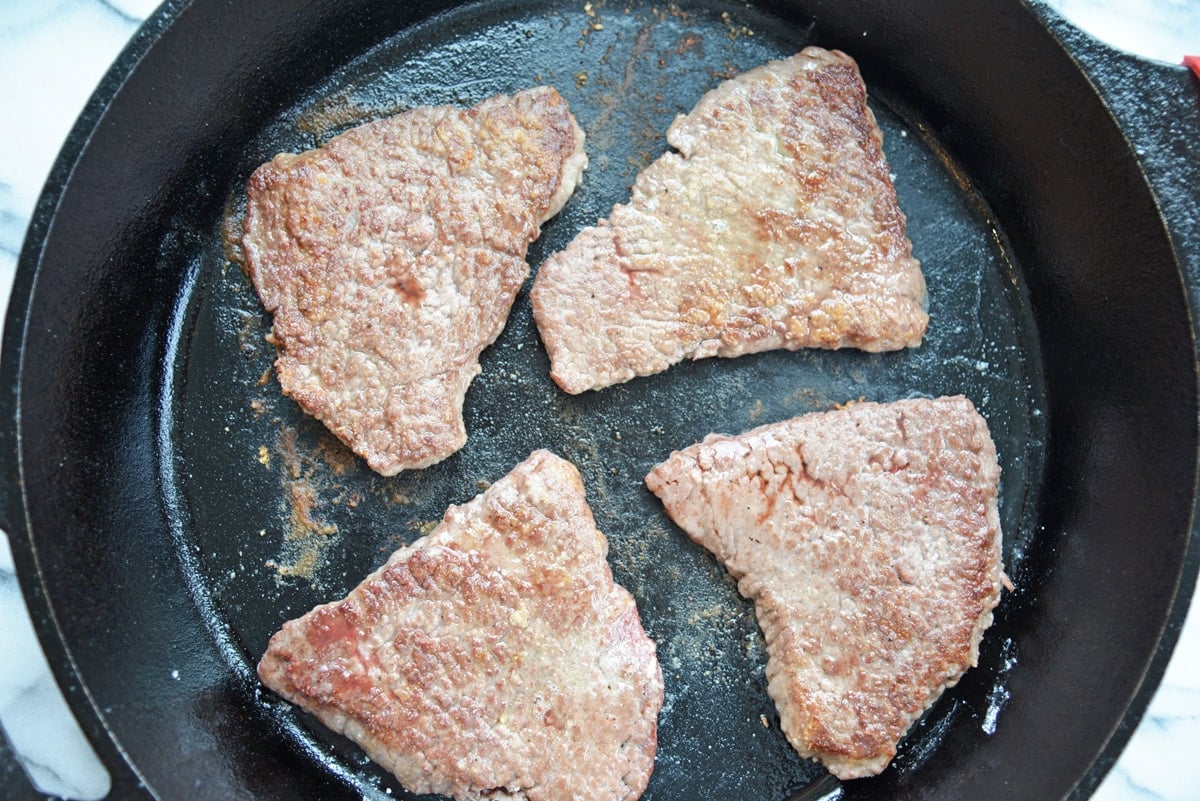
(494, 658)
(869, 540)
(775, 225)
(391, 256)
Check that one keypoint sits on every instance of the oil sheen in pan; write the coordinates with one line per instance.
(279, 516)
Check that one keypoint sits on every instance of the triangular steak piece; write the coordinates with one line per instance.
(869, 540)
(775, 225)
(390, 258)
(494, 658)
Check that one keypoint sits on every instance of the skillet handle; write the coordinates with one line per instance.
(1158, 107)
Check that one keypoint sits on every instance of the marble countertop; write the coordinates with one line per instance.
(52, 54)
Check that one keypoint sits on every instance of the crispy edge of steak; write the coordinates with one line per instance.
(493, 658)
(390, 258)
(869, 540)
(774, 225)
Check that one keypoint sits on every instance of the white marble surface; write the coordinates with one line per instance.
(51, 56)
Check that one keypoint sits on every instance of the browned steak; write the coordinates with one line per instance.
(494, 658)
(391, 256)
(774, 226)
(869, 540)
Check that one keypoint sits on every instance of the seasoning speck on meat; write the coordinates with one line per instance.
(774, 225)
(869, 540)
(390, 258)
(495, 658)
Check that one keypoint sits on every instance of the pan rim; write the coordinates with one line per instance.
(1086, 49)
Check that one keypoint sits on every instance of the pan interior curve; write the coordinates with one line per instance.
(276, 516)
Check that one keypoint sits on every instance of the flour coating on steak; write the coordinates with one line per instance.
(775, 225)
(494, 658)
(869, 540)
(390, 258)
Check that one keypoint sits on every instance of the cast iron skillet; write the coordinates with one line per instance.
(169, 509)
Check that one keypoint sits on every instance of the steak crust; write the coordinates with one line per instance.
(869, 540)
(775, 225)
(390, 258)
(494, 658)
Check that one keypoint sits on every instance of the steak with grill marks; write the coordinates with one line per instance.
(869, 540)
(391, 256)
(775, 225)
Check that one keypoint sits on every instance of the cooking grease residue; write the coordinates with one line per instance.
(307, 534)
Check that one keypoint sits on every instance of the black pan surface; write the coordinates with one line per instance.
(177, 508)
